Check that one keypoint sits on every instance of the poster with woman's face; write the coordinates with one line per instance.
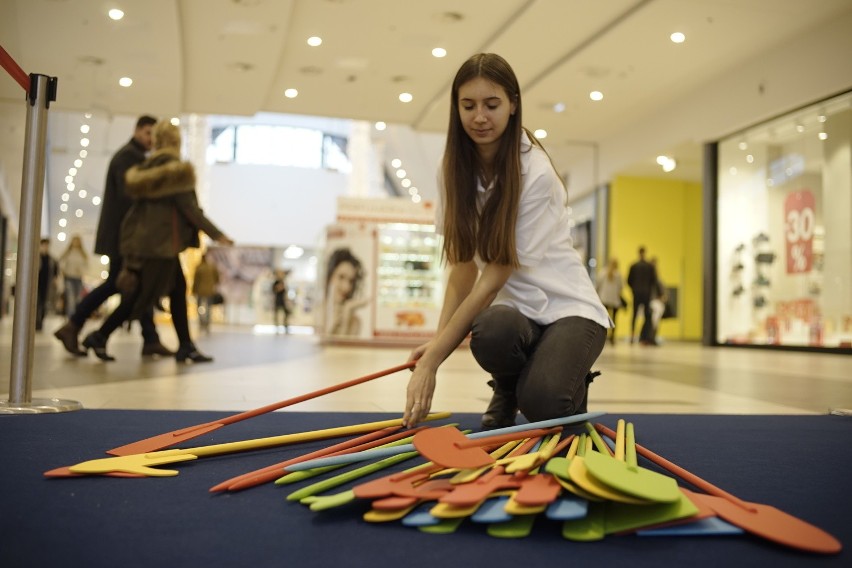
(347, 281)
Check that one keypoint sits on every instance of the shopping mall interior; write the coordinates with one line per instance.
(715, 134)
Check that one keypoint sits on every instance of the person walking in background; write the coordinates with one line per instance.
(73, 264)
(205, 283)
(642, 279)
(47, 273)
(115, 205)
(659, 297)
(516, 283)
(163, 221)
(280, 306)
(610, 287)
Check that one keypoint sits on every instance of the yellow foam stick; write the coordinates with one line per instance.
(141, 463)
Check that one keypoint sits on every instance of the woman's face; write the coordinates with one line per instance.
(484, 111)
(342, 282)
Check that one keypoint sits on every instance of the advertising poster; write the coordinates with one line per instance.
(346, 280)
(799, 222)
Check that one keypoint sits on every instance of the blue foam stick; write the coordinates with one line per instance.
(708, 526)
(380, 453)
(493, 510)
(567, 508)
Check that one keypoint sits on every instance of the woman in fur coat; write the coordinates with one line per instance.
(163, 221)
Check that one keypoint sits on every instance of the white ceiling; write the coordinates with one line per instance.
(238, 56)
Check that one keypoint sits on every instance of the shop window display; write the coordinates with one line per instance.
(785, 230)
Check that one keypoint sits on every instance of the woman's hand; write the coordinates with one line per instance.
(418, 400)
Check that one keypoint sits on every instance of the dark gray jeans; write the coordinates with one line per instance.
(545, 365)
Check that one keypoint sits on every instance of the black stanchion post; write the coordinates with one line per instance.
(42, 90)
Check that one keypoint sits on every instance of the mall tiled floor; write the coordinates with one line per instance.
(254, 367)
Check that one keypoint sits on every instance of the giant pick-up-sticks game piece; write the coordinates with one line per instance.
(378, 454)
(141, 463)
(168, 439)
(761, 520)
(623, 474)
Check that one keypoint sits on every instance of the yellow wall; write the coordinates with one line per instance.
(665, 217)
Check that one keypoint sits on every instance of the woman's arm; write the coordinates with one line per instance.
(466, 297)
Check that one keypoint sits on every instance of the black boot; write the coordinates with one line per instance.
(96, 341)
(502, 409)
(67, 334)
(589, 378)
(191, 352)
(156, 348)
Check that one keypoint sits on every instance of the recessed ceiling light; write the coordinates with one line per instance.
(63, 207)
(540, 133)
(115, 14)
(439, 52)
(96, 200)
(396, 162)
(405, 183)
(314, 41)
(381, 125)
(82, 193)
(678, 37)
(70, 187)
(559, 107)
(743, 145)
(125, 81)
(596, 95)
(63, 222)
(83, 153)
(61, 236)
(175, 121)
(84, 129)
(291, 93)
(72, 171)
(823, 136)
(83, 142)
(406, 97)
(400, 173)
(78, 163)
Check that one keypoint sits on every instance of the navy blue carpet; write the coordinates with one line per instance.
(800, 464)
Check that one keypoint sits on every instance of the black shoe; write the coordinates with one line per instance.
(502, 409)
(96, 341)
(67, 334)
(192, 353)
(156, 348)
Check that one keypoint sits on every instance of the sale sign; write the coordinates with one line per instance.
(799, 222)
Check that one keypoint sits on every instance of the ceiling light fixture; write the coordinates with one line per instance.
(406, 97)
(175, 121)
(396, 162)
(84, 129)
(596, 95)
(82, 194)
(541, 133)
(677, 37)
(559, 107)
(115, 14)
(668, 164)
(78, 163)
(380, 125)
(823, 136)
(291, 93)
(83, 153)
(439, 52)
(125, 81)
(314, 41)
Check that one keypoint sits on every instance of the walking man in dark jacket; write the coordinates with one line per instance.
(116, 203)
(642, 279)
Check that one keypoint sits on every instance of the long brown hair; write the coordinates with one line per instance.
(491, 231)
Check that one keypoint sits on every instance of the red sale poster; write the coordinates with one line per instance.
(799, 220)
